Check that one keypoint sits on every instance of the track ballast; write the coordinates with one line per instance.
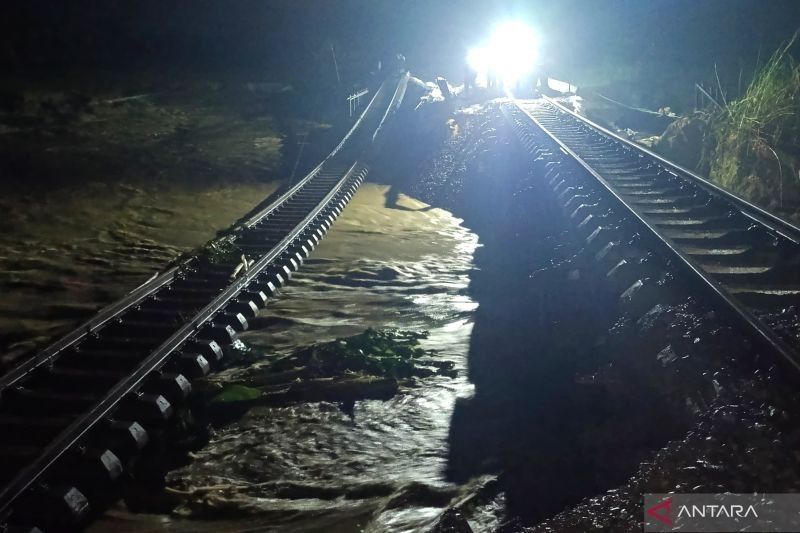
(628, 202)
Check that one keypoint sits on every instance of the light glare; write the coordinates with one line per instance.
(510, 54)
(513, 49)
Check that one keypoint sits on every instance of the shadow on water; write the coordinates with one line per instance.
(524, 351)
(527, 345)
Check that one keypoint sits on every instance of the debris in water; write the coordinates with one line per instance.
(363, 366)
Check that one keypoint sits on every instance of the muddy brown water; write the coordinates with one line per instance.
(308, 467)
(68, 250)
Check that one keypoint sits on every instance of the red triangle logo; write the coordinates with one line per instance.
(661, 511)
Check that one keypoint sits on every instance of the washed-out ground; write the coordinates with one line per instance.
(554, 419)
(312, 466)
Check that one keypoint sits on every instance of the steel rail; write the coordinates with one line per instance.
(261, 215)
(739, 311)
(767, 219)
(116, 309)
(70, 436)
(157, 357)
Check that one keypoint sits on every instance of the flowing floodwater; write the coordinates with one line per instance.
(67, 250)
(311, 466)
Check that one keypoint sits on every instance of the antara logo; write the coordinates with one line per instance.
(661, 511)
(717, 511)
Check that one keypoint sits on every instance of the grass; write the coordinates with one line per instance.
(753, 144)
(769, 108)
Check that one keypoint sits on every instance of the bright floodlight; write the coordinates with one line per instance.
(513, 51)
(510, 54)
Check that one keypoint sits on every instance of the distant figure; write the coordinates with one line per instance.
(378, 70)
(400, 60)
(540, 80)
(492, 81)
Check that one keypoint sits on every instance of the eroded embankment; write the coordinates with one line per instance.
(577, 395)
(573, 395)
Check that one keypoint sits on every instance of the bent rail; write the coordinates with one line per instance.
(107, 383)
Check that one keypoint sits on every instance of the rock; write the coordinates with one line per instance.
(682, 142)
(452, 521)
(667, 355)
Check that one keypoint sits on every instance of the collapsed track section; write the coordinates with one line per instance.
(628, 203)
(74, 416)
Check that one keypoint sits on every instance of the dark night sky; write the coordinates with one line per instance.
(284, 38)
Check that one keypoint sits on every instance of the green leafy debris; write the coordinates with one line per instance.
(389, 353)
(237, 393)
(221, 251)
(368, 365)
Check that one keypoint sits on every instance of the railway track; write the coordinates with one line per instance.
(75, 416)
(628, 202)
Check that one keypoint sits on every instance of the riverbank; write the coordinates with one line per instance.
(745, 141)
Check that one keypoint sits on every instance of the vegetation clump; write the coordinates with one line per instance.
(237, 393)
(368, 365)
(220, 251)
(752, 147)
(378, 353)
